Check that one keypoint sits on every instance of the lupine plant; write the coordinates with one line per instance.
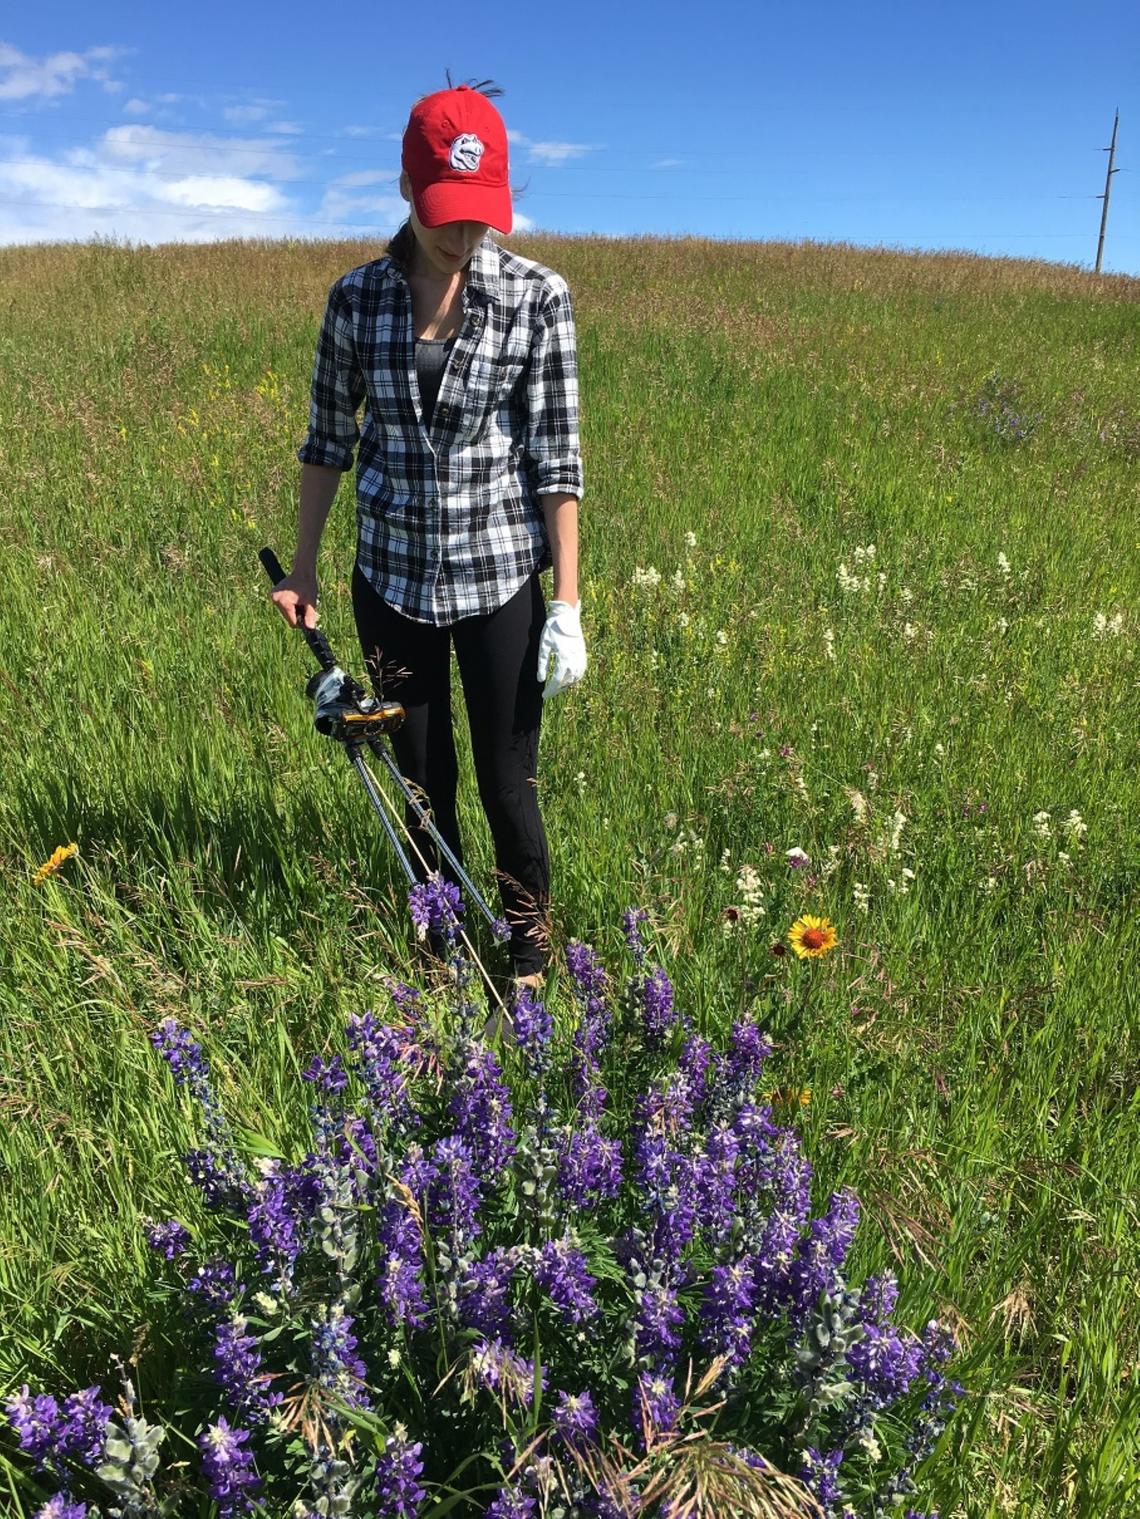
(567, 1273)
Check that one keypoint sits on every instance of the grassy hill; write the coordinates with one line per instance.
(861, 577)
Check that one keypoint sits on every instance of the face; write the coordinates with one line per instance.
(446, 248)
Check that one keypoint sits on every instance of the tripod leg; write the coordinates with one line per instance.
(423, 817)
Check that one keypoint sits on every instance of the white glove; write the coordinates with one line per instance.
(561, 649)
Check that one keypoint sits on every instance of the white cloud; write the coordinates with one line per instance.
(140, 183)
(179, 153)
(23, 77)
(136, 107)
(668, 163)
(551, 154)
(242, 113)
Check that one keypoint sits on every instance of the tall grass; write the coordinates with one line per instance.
(971, 1050)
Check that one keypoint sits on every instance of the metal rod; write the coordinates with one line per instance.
(426, 822)
(357, 761)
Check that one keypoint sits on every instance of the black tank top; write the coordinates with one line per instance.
(431, 361)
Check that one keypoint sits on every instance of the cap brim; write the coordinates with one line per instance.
(450, 200)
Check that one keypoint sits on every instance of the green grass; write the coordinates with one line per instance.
(971, 1048)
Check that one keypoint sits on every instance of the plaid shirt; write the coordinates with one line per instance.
(448, 516)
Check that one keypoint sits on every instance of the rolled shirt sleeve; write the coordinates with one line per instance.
(337, 391)
(554, 461)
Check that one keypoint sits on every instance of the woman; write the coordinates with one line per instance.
(468, 476)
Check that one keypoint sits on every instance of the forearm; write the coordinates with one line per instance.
(318, 490)
(560, 512)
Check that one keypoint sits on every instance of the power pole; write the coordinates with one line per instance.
(1111, 151)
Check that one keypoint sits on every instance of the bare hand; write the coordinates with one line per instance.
(295, 598)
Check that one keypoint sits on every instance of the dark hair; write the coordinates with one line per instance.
(486, 87)
(399, 248)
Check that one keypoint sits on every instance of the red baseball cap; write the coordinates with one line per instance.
(455, 154)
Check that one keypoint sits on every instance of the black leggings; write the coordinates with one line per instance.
(497, 654)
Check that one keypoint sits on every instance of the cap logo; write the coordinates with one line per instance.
(466, 151)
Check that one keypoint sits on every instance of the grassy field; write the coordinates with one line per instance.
(862, 578)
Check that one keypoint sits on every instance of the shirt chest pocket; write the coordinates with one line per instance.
(491, 379)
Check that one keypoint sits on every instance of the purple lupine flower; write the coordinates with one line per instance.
(35, 1418)
(386, 1060)
(819, 1474)
(484, 1293)
(401, 1272)
(631, 921)
(659, 1316)
(83, 1425)
(49, 1432)
(436, 906)
(501, 931)
(215, 1283)
(399, 1492)
(575, 1419)
(715, 1179)
(502, 1372)
(455, 1194)
(272, 1217)
(481, 1106)
(887, 1360)
(534, 1028)
(589, 1166)
(655, 1404)
(62, 1506)
(511, 1503)
(561, 1271)
(728, 1311)
(747, 1051)
(699, 1064)
(820, 1257)
(336, 1365)
(657, 1010)
(237, 1367)
(228, 1468)
(217, 1175)
(328, 1076)
(168, 1239)
(184, 1057)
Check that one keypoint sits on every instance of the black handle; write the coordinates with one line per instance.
(315, 639)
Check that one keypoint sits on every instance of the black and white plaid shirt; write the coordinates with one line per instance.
(449, 519)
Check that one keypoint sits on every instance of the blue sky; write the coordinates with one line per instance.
(912, 125)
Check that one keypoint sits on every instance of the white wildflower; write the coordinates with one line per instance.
(690, 540)
(865, 555)
(851, 584)
(751, 894)
(988, 884)
(940, 750)
(646, 579)
(906, 596)
(1004, 565)
(1064, 857)
(1076, 827)
(1002, 624)
(1108, 627)
(722, 638)
(1041, 825)
(677, 582)
(683, 619)
(725, 866)
(897, 823)
(670, 821)
(910, 632)
(862, 894)
(859, 805)
(829, 642)
(268, 1305)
